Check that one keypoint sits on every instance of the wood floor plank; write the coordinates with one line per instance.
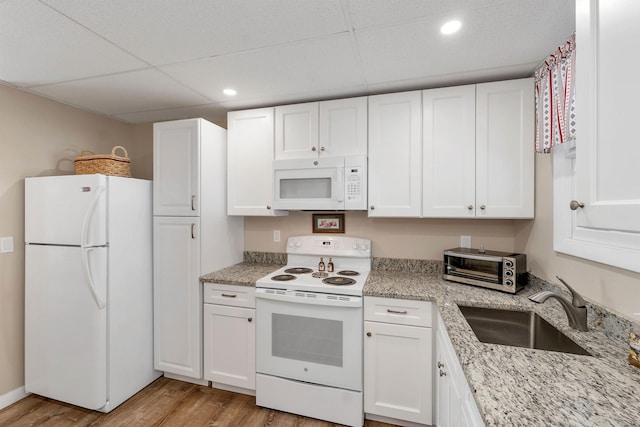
(163, 403)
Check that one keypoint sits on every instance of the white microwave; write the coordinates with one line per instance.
(332, 183)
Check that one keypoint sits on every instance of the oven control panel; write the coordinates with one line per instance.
(333, 246)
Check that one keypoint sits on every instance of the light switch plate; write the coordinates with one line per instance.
(6, 244)
(276, 235)
(465, 241)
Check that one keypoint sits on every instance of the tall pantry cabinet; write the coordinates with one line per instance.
(192, 236)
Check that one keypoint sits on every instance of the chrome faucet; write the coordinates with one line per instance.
(576, 309)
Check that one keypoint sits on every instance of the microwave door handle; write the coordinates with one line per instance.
(341, 184)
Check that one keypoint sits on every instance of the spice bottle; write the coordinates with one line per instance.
(634, 347)
(330, 266)
(321, 265)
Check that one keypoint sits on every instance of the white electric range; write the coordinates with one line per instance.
(309, 330)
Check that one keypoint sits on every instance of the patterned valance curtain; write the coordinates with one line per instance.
(555, 98)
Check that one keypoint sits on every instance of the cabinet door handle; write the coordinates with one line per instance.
(574, 205)
(443, 373)
(396, 311)
(470, 207)
(483, 207)
(440, 365)
(368, 334)
(321, 148)
(193, 231)
(229, 295)
(372, 207)
(193, 202)
(250, 319)
(268, 207)
(313, 148)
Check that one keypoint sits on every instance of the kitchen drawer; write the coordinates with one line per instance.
(399, 311)
(234, 295)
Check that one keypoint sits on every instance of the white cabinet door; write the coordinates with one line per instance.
(296, 131)
(395, 155)
(249, 157)
(607, 92)
(455, 406)
(177, 302)
(505, 149)
(343, 127)
(229, 345)
(397, 371)
(176, 168)
(449, 152)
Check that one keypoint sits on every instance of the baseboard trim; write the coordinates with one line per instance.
(12, 397)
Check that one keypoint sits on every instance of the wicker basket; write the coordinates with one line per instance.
(104, 164)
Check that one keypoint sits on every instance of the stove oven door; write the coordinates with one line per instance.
(316, 338)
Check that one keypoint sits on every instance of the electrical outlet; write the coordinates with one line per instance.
(6, 244)
(276, 235)
(465, 241)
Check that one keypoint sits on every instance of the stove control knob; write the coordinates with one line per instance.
(364, 246)
(290, 243)
(355, 246)
(298, 244)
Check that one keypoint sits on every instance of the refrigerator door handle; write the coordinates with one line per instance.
(87, 273)
(87, 216)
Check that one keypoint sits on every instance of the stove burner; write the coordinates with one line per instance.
(338, 281)
(348, 273)
(283, 277)
(320, 274)
(298, 270)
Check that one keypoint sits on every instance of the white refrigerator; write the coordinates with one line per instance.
(88, 289)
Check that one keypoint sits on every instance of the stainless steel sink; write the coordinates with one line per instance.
(519, 329)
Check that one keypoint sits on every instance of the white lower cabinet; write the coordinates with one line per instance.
(455, 405)
(229, 337)
(398, 348)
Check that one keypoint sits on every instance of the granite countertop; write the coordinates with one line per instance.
(512, 385)
(243, 274)
(518, 386)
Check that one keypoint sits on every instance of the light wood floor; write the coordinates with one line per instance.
(165, 402)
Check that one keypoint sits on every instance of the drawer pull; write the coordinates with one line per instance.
(396, 311)
(443, 374)
(368, 334)
(229, 295)
(250, 319)
(440, 365)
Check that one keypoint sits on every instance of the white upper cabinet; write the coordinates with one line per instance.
(607, 92)
(249, 157)
(395, 155)
(343, 127)
(449, 152)
(321, 129)
(296, 131)
(598, 175)
(176, 168)
(505, 149)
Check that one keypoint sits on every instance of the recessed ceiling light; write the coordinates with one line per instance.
(450, 27)
(229, 92)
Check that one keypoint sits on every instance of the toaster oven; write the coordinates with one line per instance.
(502, 271)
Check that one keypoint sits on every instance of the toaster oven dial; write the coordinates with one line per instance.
(508, 273)
(508, 283)
(508, 263)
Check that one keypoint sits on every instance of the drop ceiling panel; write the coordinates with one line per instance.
(169, 31)
(293, 69)
(123, 93)
(368, 13)
(38, 45)
(489, 39)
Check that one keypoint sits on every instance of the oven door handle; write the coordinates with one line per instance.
(309, 298)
